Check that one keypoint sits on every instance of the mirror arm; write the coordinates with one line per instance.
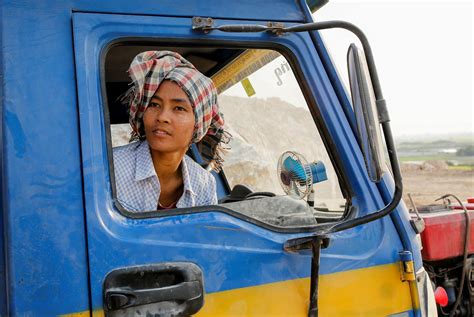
(352, 28)
(384, 120)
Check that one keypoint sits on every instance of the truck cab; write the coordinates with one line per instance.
(339, 245)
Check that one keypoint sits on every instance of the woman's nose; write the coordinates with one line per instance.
(163, 115)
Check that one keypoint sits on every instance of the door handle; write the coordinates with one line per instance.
(120, 298)
(160, 289)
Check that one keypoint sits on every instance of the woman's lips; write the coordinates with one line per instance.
(161, 132)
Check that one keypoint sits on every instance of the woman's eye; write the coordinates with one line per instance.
(180, 108)
(154, 104)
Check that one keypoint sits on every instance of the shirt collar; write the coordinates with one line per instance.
(186, 179)
(143, 163)
(144, 167)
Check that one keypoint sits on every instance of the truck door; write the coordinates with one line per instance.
(218, 260)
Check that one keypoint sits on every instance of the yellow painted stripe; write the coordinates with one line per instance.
(80, 314)
(375, 291)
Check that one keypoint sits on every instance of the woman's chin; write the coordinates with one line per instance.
(165, 147)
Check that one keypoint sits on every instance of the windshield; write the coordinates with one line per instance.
(267, 115)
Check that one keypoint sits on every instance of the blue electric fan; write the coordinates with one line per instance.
(297, 176)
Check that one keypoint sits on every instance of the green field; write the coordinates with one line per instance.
(462, 168)
(456, 160)
(433, 149)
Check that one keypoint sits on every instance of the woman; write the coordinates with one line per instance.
(171, 106)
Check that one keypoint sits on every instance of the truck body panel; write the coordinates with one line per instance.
(62, 232)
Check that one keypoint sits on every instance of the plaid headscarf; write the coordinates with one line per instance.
(148, 70)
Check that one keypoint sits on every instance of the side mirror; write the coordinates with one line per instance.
(365, 109)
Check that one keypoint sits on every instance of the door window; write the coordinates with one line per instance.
(267, 114)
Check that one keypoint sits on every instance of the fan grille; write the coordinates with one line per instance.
(294, 174)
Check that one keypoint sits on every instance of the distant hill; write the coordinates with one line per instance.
(452, 148)
(458, 138)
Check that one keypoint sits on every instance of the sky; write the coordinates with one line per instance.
(423, 51)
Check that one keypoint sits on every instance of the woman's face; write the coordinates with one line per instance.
(169, 119)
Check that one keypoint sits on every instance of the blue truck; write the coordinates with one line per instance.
(346, 246)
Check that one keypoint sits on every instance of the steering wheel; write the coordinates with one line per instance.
(242, 192)
(256, 195)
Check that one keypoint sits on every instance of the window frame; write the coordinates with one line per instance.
(311, 103)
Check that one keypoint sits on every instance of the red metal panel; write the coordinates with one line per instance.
(444, 233)
(469, 205)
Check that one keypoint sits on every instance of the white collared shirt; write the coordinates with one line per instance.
(138, 187)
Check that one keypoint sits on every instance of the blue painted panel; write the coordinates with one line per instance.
(275, 10)
(401, 220)
(3, 294)
(228, 249)
(42, 207)
(224, 245)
